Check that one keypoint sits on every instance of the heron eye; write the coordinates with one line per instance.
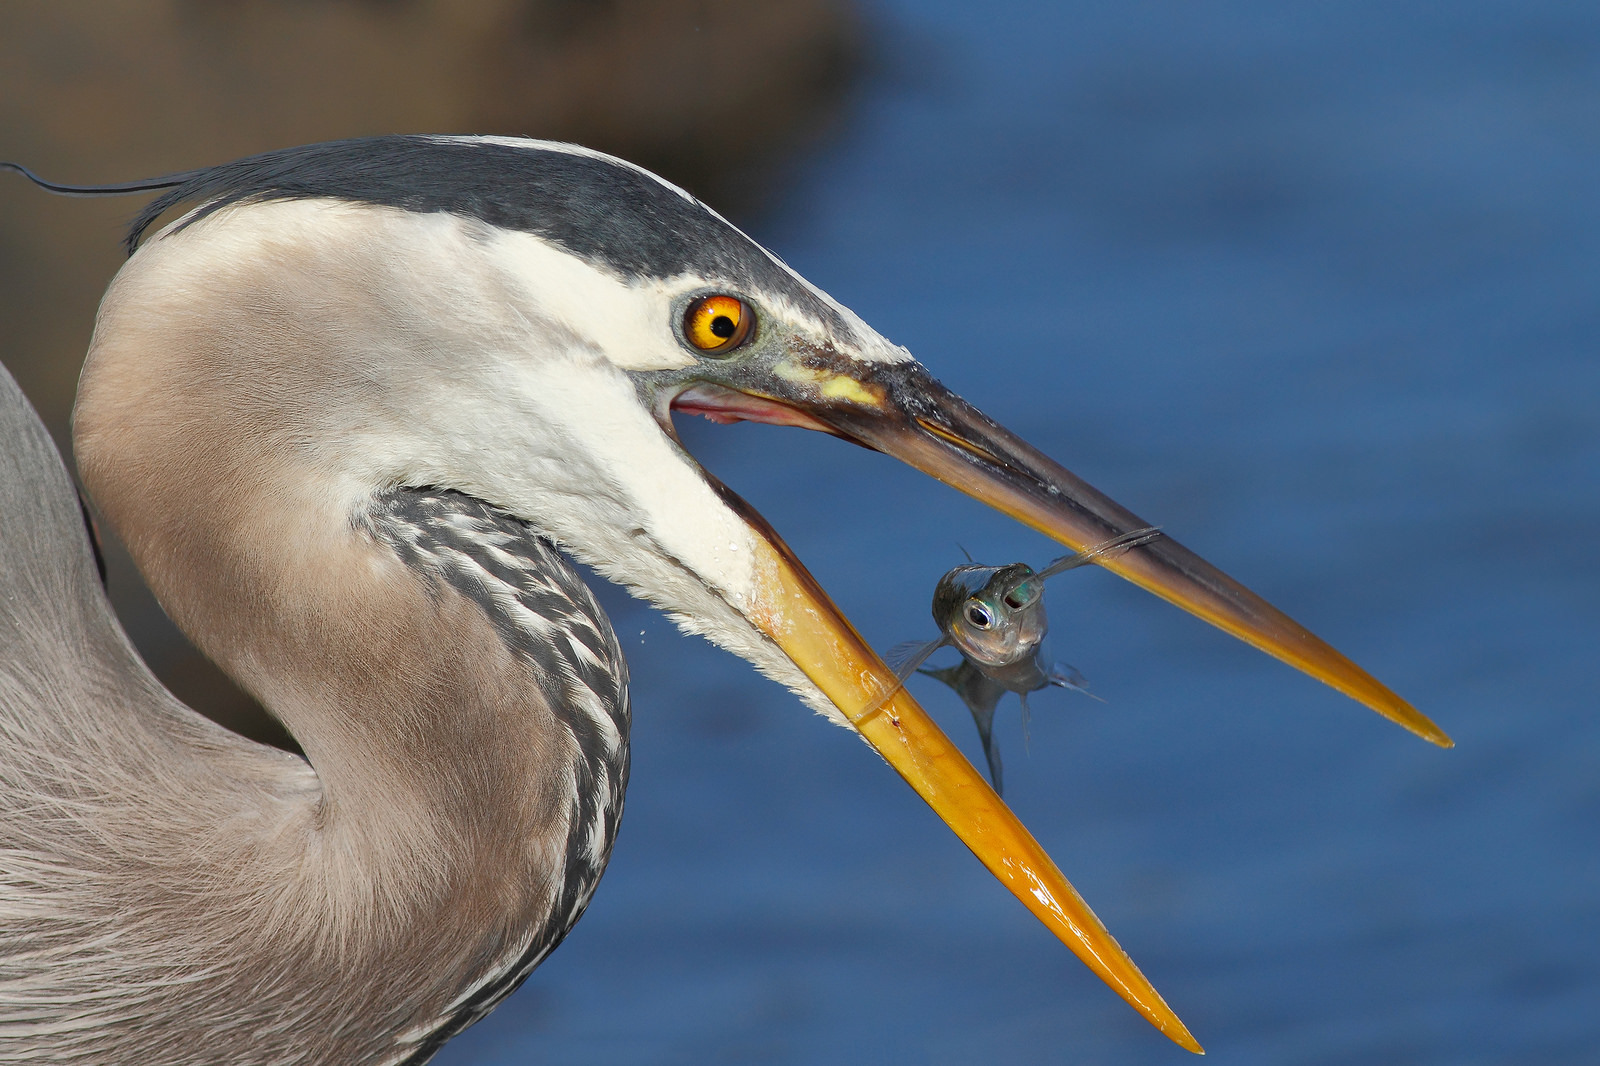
(979, 616)
(716, 324)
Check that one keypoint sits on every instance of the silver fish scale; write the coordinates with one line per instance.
(549, 619)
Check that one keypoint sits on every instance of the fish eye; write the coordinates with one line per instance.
(979, 615)
(718, 324)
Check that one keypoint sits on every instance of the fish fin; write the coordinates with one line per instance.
(991, 751)
(1064, 676)
(1115, 546)
(964, 551)
(1027, 715)
(903, 659)
(906, 656)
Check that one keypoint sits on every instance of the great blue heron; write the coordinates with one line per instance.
(342, 411)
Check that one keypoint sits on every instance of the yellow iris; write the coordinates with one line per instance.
(718, 323)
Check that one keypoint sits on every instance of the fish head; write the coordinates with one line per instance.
(994, 615)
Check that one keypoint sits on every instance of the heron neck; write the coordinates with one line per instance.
(456, 804)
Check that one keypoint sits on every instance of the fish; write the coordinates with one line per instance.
(995, 617)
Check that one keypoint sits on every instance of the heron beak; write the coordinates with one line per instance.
(901, 410)
(797, 615)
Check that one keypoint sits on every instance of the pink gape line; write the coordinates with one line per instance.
(726, 406)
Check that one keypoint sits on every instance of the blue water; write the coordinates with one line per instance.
(1315, 287)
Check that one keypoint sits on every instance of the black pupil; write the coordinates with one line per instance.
(978, 616)
(723, 326)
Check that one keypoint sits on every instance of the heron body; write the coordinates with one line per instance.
(342, 412)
